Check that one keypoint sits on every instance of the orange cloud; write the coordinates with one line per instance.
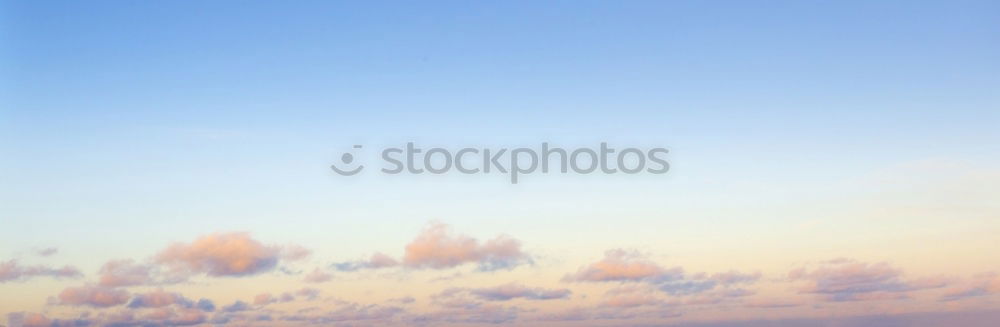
(224, 254)
(93, 296)
(621, 265)
(437, 248)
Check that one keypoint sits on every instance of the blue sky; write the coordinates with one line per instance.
(144, 102)
(185, 87)
(157, 122)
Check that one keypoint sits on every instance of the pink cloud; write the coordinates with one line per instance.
(980, 285)
(224, 254)
(156, 299)
(621, 266)
(766, 303)
(163, 316)
(850, 280)
(264, 299)
(12, 271)
(187, 317)
(372, 314)
(29, 319)
(631, 300)
(93, 296)
(437, 248)
(159, 314)
(466, 315)
(317, 276)
(574, 314)
(307, 294)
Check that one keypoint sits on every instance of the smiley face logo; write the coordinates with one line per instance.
(347, 158)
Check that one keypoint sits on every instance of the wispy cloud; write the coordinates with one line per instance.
(851, 280)
(980, 285)
(126, 272)
(376, 261)
(46, 252)
(11, 270)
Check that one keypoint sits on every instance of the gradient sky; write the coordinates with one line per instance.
(811, 143)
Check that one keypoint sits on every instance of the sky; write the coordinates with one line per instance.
(832, 163)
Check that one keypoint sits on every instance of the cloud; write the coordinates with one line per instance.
(620, 304)
(512, 291)
(308, 293)
(123, 317)
(93, 296)
(722, 286)
(932, 319)
(186, 317)
(632, 296)
(302, 294)
(205, 305)
(267, 298)
(456, 297)
(236, 307)
(631, 300)
(160, 298)
(157, 299)
(466, 304)
(117, 273)
(46, 252)
(629, 266)
(317, 276)
(437, 248)
(980, 285)
(620, 265)
(224, 254)
(376, 261)
(485, 314)
(850, 280)
(688, 287)
(35, 319)
(403, 300)
(28, 319)
(767, 303)
(574, 314)
(12, 271)
(31, 319)
(734, 277)
(241, 319)
(346, 311)
(295, 253)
